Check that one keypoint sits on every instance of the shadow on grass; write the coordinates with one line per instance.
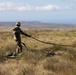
(41, 54)
(36, 55)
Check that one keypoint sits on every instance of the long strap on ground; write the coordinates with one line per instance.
(50, 42)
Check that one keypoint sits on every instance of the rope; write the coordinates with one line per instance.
(50, 42)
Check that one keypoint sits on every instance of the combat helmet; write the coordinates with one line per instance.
(18, 24)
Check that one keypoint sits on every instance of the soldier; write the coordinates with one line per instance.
(17, 31)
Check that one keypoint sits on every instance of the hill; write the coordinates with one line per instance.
(35, 25)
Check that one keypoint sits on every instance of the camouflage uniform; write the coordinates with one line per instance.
(17, 31)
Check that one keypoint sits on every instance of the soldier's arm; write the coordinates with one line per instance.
(14, 29)
(24, 33)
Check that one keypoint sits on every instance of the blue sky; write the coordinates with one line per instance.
(53, 11)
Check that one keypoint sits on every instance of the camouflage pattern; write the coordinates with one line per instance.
(17, 31)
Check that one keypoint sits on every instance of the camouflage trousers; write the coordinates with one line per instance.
(19, 47)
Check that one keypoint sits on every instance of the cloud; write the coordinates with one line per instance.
(24, 8)
(10, 6)
(52, 7)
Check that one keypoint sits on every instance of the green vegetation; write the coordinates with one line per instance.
(36, 61)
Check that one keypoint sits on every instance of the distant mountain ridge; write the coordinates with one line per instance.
(36, 25)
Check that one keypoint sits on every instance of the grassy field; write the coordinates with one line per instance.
(39, 60)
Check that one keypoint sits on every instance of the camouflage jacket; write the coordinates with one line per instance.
(17, 31)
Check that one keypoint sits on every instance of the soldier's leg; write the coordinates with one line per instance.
(19, 47)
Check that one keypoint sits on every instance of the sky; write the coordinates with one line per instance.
(48, 11)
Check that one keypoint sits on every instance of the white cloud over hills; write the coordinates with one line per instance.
(10, 6)
(52, 7)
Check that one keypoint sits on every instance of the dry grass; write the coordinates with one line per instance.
(36, 62)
